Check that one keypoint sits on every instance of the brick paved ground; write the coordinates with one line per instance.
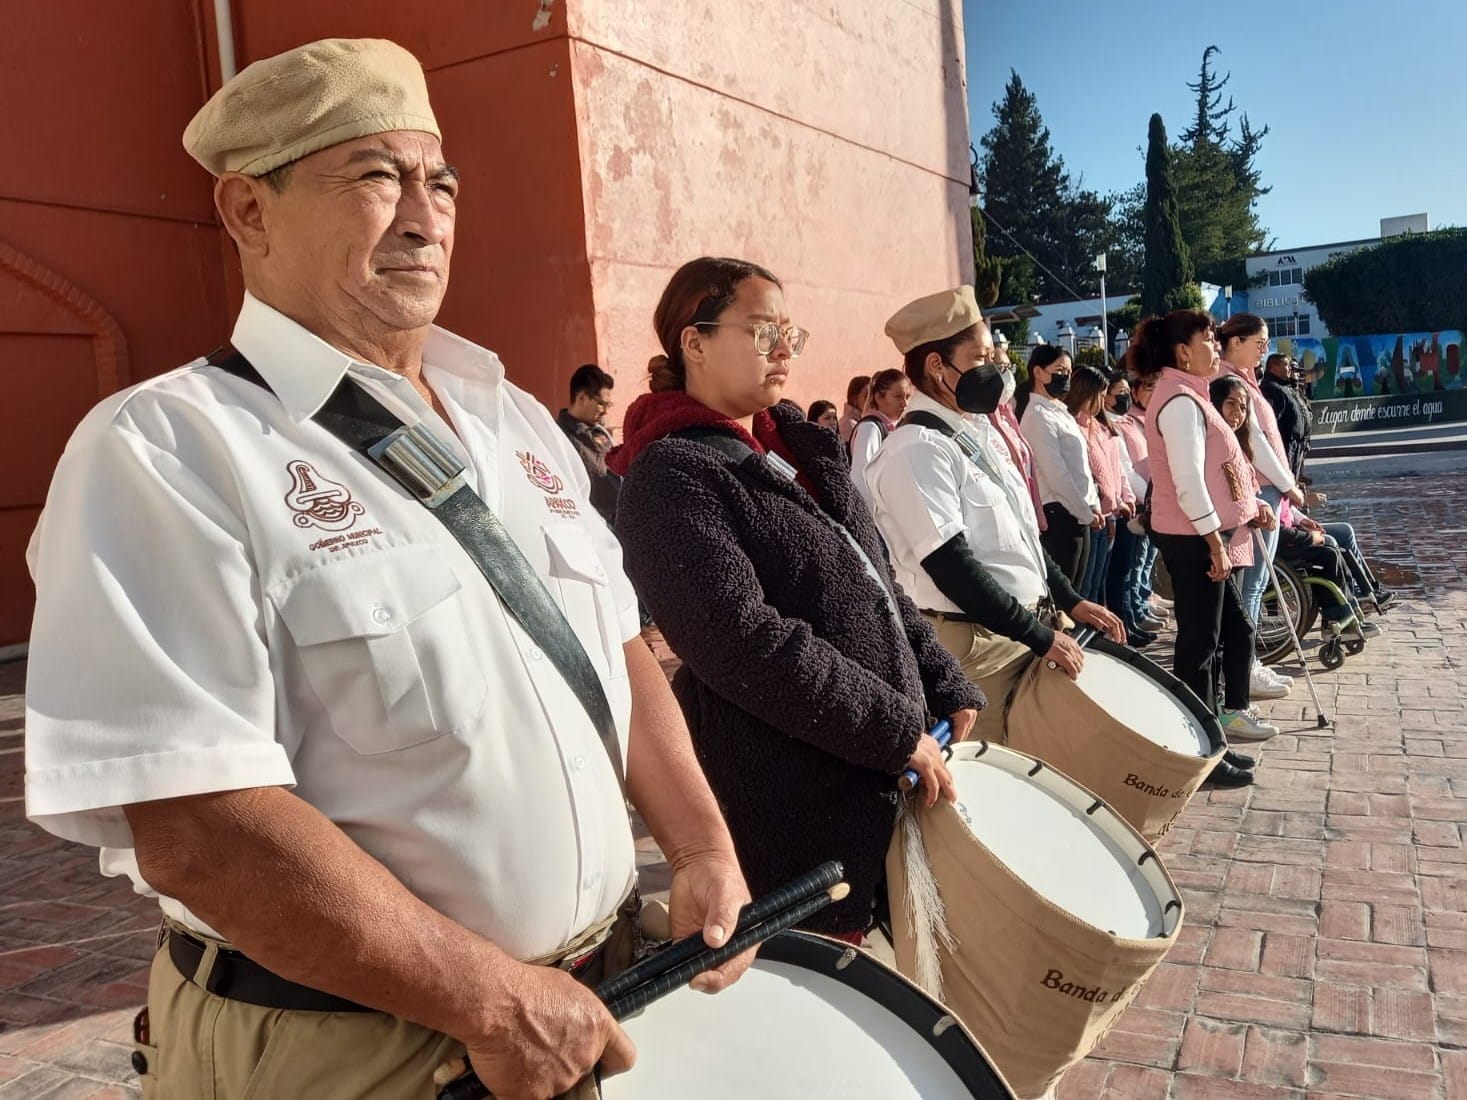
(1325, 949)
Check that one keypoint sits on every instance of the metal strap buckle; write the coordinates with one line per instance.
(424, 466)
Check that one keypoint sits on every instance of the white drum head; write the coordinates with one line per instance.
(785, 1030)
(1088, 863)
(1142, 705)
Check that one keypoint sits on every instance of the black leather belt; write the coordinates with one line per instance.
(238, 978)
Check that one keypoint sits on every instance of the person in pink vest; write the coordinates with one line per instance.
(1202, 504)
(1244, 341)
(1086, 402)
(1132, 550)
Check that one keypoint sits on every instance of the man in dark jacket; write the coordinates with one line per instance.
(1281, 389)
(590, 398)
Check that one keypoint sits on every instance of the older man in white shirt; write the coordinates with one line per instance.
(278, 692)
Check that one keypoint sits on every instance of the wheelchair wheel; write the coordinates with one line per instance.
(1273, 642)
(1331, 654)
(1354, 646)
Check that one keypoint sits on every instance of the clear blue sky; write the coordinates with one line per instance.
(1366, 101)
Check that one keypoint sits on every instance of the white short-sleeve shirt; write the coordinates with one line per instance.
(925, 490)
(228, 597)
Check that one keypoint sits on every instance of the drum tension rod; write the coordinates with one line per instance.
(1036, 769)
(1094, 806)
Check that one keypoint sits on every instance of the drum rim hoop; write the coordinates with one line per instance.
(956, 1046)
(1149, 863)
(1184, 695)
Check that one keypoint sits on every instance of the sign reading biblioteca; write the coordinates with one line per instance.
(1400, 410)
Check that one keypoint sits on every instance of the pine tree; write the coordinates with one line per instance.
(1166, 277)
(1024, 182)
(1027, 192)
(1212, 120)
(1218, 184)
(987, 270)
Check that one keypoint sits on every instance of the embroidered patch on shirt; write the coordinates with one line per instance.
(540, 475)
(318, 501)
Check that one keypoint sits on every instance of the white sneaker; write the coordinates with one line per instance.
(1263, 672)
(1245, 725)
(1263, 686)
(1161, 602)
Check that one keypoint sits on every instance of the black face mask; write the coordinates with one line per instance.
(979, 390)
(1058, 385)
(1123, 404)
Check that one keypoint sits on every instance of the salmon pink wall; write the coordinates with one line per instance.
(601, 144)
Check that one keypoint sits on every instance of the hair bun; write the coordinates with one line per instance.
(657, 363)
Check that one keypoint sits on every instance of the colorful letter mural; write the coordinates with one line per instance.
(1363, 382)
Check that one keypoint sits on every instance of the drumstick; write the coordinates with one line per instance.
(942, 733)
(685, 959)
(755, 913)
(710, 957)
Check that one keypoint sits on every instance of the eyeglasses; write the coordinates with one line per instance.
(767, 335)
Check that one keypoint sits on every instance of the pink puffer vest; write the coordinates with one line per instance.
(1226, 470)
(1262, 411)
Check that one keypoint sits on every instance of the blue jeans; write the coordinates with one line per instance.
(1123, 578)
(1149, 554)
(1344, 537)
(1254, 579)
(1092, 584)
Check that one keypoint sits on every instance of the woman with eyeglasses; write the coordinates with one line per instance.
(1203, 506)
(1244, 341)
(1062, 462)
(809, 680)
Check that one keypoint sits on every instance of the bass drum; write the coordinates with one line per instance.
(812, 1019)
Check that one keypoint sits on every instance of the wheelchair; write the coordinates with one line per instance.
(1303, 590)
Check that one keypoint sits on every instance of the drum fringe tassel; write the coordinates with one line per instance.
(925, 910)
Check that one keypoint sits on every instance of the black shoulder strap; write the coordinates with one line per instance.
(730, 445)
(432, 473)
(924, 419)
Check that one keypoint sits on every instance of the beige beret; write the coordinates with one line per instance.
(307, 99)
(934, 317)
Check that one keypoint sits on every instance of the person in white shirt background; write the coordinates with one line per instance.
(1061, 463)
(890, 392)
(957, 515)
(307, 722)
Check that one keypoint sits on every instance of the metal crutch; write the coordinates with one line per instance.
(1319, 716)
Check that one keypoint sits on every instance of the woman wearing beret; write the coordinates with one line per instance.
(957, 513)
(808, 680)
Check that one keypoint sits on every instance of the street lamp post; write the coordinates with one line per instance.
(1104, 327)
(1123, 342)
(1227, 302)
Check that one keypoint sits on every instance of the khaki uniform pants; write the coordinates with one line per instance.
(991, 661)
(204, 1047)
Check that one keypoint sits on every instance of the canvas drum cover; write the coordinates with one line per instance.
(1037, 986)
(1052, 718)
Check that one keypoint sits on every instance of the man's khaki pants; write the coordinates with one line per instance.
(204, 1047)
(991, 661)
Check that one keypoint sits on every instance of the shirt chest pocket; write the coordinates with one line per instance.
(989, 516)
(579, 582)
(384, 643)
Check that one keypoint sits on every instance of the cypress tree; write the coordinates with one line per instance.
(1166, 275)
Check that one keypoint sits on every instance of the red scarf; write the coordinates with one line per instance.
(655, 416)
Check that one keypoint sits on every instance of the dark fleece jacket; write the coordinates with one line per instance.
(804, 695)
